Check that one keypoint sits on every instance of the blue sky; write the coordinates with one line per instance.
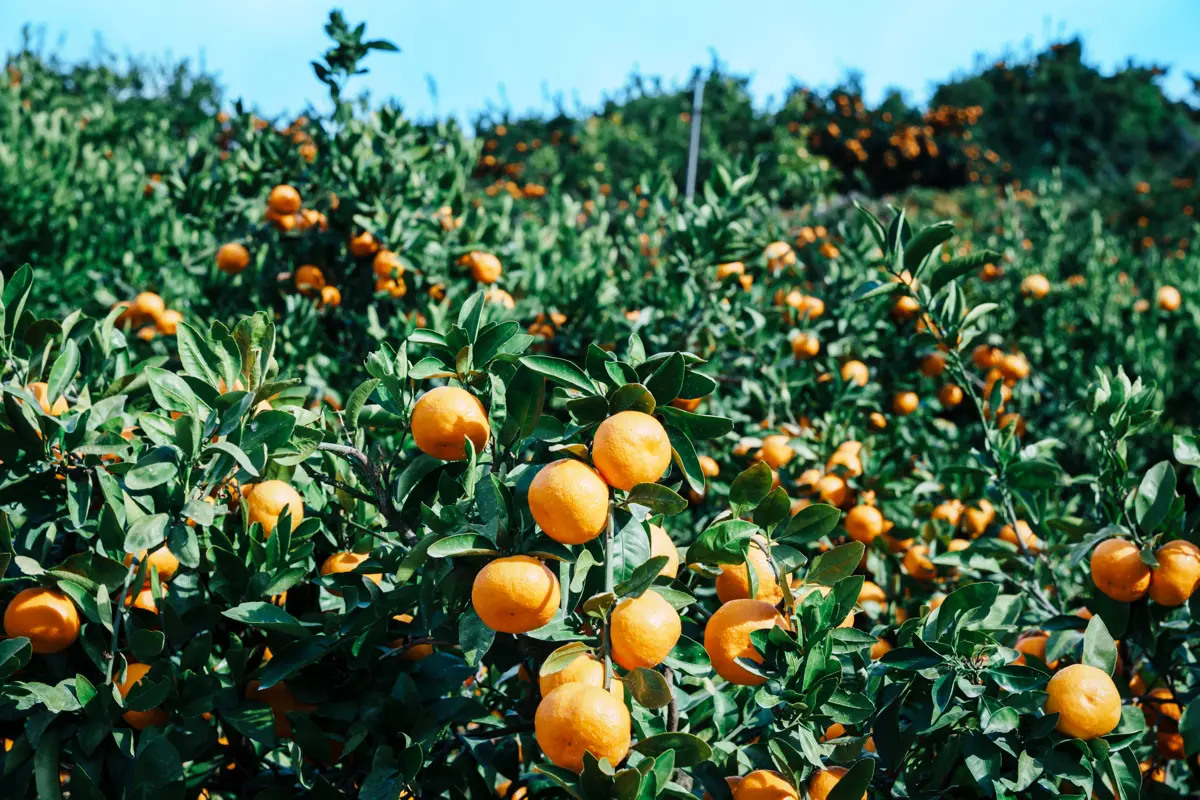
(479, 53)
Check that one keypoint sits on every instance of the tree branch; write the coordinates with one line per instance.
(371, 474)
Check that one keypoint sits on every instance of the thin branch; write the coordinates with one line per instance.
(370, 473)
(344, 487)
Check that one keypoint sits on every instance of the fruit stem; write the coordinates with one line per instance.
(609, 537)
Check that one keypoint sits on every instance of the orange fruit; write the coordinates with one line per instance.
(878, 421)
(709, 467)
(1118, 570)
(727, 637)
(1032, 644)
(872, 593)
(417, 652)
(1177, 575)
(731, 268)
(933, 365)
(855, 372)
(779, 255)
(905, 403)
(765, 784)
(833, 490)
(343, 562)
(918, 565)
(41, 393)
(444, 418)
(232, 258)
(387, 264)
(161, 559)
(631, 448)
(569, 500)
(516, 594)
(585, 668)
(949, 512)
(880, 649)
(139, 720)
(485, 267)
(331, 296)
(864, 523)
(309, 279)
(1032, 543)
(393, 287)
(284, 199)
(984, 356)
(577, 718)
(686, 404)
(1086, 700)
(822, 782)
(661, 545)
(643, 630)
(955, 545)
(847, 459)
(363, 245)
(1169, 298)
(1013, 367)
(976, 520)
(1160, 708)
(148, 304)
(1171, 746)
(734, 581)
(776, 451)
(281, 700)
(144, 598)
(46, 617)
(267, 500)
(950, 396)
(905, 308)
(805, 346)
(1035, 286)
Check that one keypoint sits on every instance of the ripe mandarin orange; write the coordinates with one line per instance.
(734, 582)
(1118, 570)
(444, 418)
(855, 372)
(266, 501)
(569, 500)
(46, 617)
(343, 562)
(631, 448)
(864, 523)
(1177, 575)
(643, 630)
(765, 784)
(516, 594)
(284, 199)
(162, 559)
(822, 783)
(776, 451)
(584, 668)
(918, 565)
(727, 637)
(661, 545)
(1086, 700)
(232, 258)
(577, 718)
(139, 720)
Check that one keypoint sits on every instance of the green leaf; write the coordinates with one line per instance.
(722, 543)
(641, 579)
(63, 371)
(631, 397)
(648, 687)
(1155, 495)
(924, 242)
(147, 476)
(773, 508)
(463, 544)
(811, 523)
(267, 616)
(656, 497)
(955, 268)
(145, 533)
(170, 391)
(855, 783)
(474, 637)
(688, 749)
(14, 655)
(840, 562)
(1099, 649)
(1186, 449)
(559, 371)
(1189, 726)
(470, 314)
(667, 380)
(751, 486)
(195, 355)
(238, 455)
(683, 453)
(358, 398)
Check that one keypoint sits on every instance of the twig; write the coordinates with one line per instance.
(497, 733)
(343, 486)
(610, 534)
(673, 706)
(370, 473)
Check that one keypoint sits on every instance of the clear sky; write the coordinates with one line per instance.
(518, 53)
